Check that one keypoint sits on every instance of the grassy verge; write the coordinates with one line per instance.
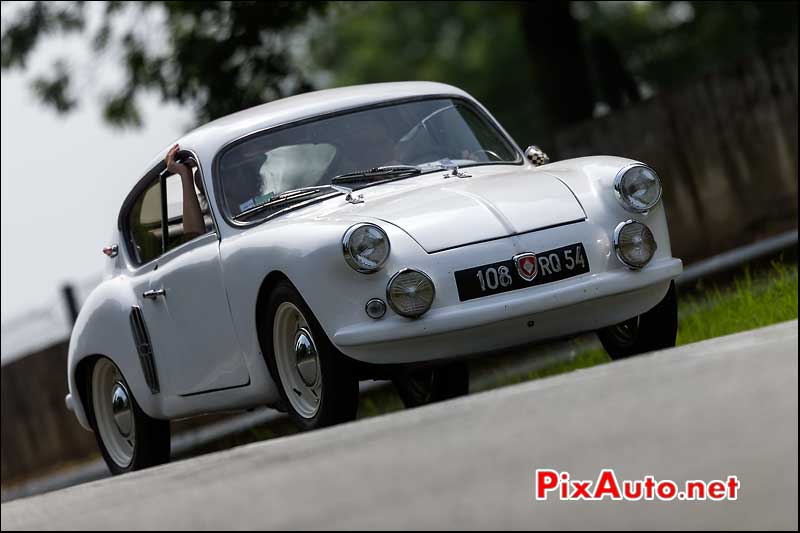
(752, 299)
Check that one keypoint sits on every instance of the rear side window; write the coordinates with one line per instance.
(144, 224)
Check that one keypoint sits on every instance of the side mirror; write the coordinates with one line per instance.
(536, 155)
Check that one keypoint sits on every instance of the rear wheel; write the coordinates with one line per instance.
(128, 438)
(654, 330)
(316, 381)
(430, 385)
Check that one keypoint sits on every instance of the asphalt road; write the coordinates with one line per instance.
(705, 411)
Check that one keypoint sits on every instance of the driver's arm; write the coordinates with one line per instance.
(193, 224)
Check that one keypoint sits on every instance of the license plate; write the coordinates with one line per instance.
(495, 278)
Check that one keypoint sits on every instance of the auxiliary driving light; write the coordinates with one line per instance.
(634, 243)
(410, 293)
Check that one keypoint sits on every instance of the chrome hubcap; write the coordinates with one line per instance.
(297, 360)
(121, 409)
(113, 412)
(305, 354)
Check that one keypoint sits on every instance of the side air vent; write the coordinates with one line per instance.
(145, 349)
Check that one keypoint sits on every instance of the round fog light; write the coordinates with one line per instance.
(634, 243)
(375, 308)
(410, 293)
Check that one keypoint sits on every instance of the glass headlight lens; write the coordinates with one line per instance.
(634, 243)
(410, 293)
(366, 247)
(638, 188)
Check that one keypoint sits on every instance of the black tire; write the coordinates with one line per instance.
(339, 384)
(430, 385)
(656, 329)
(152, 443)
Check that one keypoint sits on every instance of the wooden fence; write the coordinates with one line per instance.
(37, 431)
(725, 147)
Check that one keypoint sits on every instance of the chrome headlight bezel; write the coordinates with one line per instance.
(626, 203)
(348, 256)
(618, 252)
(393, 304)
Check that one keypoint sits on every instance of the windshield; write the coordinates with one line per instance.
(434, 134)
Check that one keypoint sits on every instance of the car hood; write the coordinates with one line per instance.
(494, 202)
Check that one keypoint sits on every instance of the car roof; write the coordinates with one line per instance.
(214, 134)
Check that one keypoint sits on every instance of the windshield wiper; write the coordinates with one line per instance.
(389, 172)
(377, 172)
(289, 196)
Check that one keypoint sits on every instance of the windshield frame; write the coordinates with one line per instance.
(219, 195)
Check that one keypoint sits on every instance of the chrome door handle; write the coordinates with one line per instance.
(154, 293)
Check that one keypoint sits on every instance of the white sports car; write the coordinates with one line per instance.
(384, 231)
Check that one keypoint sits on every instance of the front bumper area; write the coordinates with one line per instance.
(571, 306)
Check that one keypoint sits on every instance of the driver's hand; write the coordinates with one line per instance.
(172, 165)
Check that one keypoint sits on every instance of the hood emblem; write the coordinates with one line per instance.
(526, 266)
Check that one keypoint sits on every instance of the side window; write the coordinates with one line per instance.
(144, 224)
(175, 229)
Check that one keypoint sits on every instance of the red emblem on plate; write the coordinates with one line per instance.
(526, 266)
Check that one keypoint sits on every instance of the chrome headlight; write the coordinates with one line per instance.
(634, 243)
(366, 247)
(637, 187)
(410, 293)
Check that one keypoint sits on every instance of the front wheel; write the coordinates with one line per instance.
(656, 329)
(316, 381)
(424, 386)
(128, 438)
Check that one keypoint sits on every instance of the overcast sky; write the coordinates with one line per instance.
(63, 179)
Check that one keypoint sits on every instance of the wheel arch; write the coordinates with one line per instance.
(268, 284)
(82, 376)
(103, 329)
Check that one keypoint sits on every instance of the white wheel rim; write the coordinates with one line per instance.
(297, 359)
(113, 412)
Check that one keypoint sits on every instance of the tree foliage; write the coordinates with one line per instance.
(537, 65)
(541, 65)
(217, 57)
(474, 45)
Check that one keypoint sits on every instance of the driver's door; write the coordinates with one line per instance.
(194, 307)
(183, 300)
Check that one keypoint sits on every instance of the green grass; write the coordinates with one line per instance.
(753, 301)
(710, 310)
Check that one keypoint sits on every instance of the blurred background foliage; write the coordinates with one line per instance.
(536, 65)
